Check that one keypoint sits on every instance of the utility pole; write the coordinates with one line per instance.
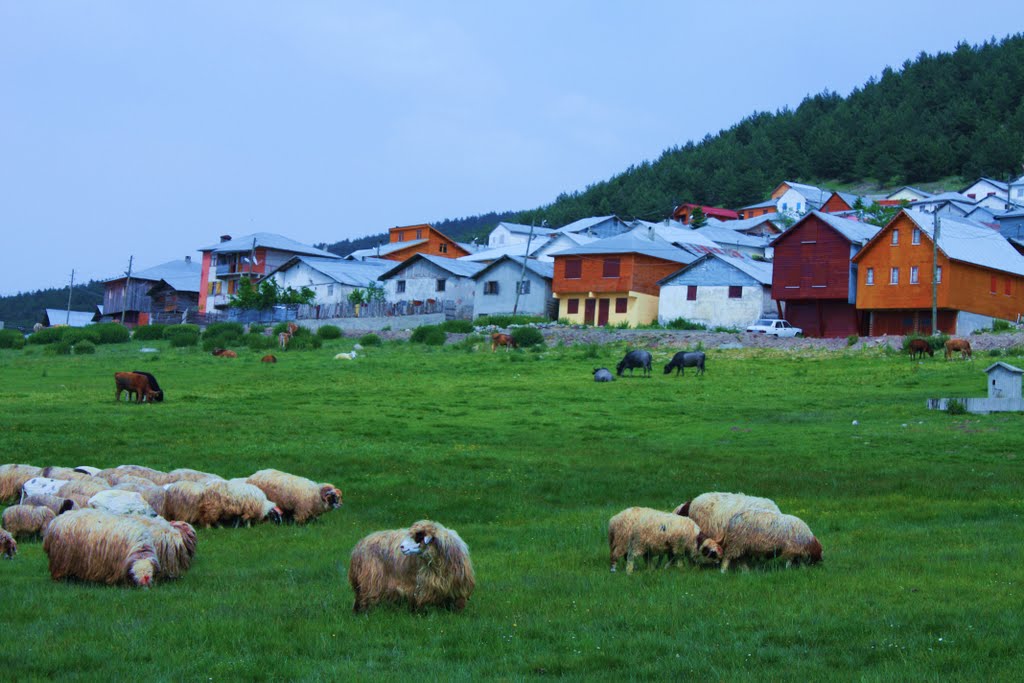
(522, 274)
(936, 224)
(127, 286)
(71, 286)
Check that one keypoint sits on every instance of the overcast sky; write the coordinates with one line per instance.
(149, 129)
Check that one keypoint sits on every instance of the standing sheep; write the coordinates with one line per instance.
(235, 502)
(83, 487)
(8, 546)
(27, 521)
(113, 475)
(712, 511)
(175, 544)
(764, 534)
(12, 478)
(185, 474)
(182, 501)
(93, 545)
(652, 533)
(298, 497)
(426, 564)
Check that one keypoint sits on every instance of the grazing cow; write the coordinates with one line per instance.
(153, 385)
(502, 339)
(133, 383)
(603, 375)
(269, 358)
(217, 351)
(292, 329)
(686, 359)
(283, 339)
(635, 359)
(919, 347)
(228, 354)
(961, 345)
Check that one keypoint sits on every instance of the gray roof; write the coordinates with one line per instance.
(57, 316)
(182, 271)
(637, 241)
(517, 249)
(544, 270)
(384, 249)
(181, 284)
(266, 240)
(1005, 366)
(525, 229)
(342, 271)
(917, 190)
(743, 224)
(759, 205)
(999, 184)
(456, 267)
(852, 199)
(585, 223)
(759, 270)
(970, 242)
(723, 235)
(854, 231)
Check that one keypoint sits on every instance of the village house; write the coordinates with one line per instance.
(128, 299)
(980, 276)
(764, 208)
(987, 187)
(796, 199)
(747, 245)
(430, 278)
(406, 241)
(908, 194)
(515, 233)
(330, 279)
(718, 291)
(497, 282)
(684, 213)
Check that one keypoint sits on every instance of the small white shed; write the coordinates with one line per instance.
(1004, 380)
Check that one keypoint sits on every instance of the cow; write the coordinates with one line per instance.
(502, 339)
(686, 359)
(919, 347)
(228, 354)
(961, 345)
(153, 385)
(292, 329)
(283, 339)
(269, 358)
(635, 359)
(603, 375)
(133, 383)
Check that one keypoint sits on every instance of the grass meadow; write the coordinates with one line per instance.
(919, 513)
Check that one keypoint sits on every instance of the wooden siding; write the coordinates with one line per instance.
(826, 318)
(432, 246)
(835, 204)
(908, 322)
(637, 273)
(812, 261)
(760, 211)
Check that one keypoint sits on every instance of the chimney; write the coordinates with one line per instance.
(650, 232)
(188, 259)
(225, 238)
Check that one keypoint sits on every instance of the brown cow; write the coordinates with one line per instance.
(228, 354)
(919, 347)
(283, 339)
(961, 345)
(269, 358)
(133, 383)
(292, 329)
(500, 339)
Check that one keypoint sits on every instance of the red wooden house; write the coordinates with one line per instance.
(409, 240)
(813, 276)
(684, 213)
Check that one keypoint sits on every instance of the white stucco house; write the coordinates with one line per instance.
(504, 234)
(425, 277)
(332, 280)
(496, 284)
(718, 291)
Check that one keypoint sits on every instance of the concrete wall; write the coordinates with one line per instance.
(361, 325)
(507, 275)
(301, 275)
(421, 284)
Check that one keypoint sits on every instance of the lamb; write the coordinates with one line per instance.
(712, 511)
(119, 502)
(301, 499)
(12, 478)
(93, 545)
(235, 502)
(8, 546)
(765, 534)
(652, 533)
(426, 564)
(27, 521)
(56, 503)
(175, 544)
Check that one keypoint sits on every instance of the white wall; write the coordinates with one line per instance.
(713, 307)
(301, 275)
(792, 203)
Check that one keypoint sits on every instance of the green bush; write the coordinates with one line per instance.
(172, 330)
(149, 332)
(431, 335)
(58, 348)
(1015, 351)
(506, 320)
(111, 333)
(684, 324)
(73, 335)
(218, 342)
(370, 340)
(84, 347)
(1003, 326)
(11, 339)
(457, 326)
(259, 342)
(230, 331)
(329, 332)
(305, 342)
(279, 328)
(184, 338)
(590, 350)
(527, 336)
(852, 339)
(48, 335)
(995, 352)
(955, 407)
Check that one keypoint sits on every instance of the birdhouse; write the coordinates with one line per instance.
(1004, 380)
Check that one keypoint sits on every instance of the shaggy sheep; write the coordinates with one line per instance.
(426, 564)
(84, 487)
(41, 485)
(12, 478)
(115, 477)
(185, 474)
(712, 511)
(55, 503)
(299, 498)
(182, 500)
(235, 502)
(27, 521)
(115, 474)
(93, 545)
(155, 496)
(175, 544)
(66, 473)
(766, 534)
(8, 546)
(119, 502)
(652, 533)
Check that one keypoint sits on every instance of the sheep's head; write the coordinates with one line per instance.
(709, 548)
(274, 514)
(683, 510)
(188, 536)
(331, 496)
(142, 572)
(8, 547)
(422, 536)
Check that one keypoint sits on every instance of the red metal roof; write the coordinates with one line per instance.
(710, 211)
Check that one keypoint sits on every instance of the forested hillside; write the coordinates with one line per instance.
(26, 309)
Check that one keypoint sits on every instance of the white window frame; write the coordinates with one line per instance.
(894, 275)
(913, 275)
(915, 238)
(869, 276)
(895, 237)
(938, 275)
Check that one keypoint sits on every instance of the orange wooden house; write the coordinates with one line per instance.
(408, 240)
(684, 213)
(980, 276)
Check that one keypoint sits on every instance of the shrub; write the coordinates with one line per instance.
(955, 407)
(73, 335)
(590, 350)
(995, 352)
(370, 340)
(84, 347)
(183, 338)
(457, 326)
(231, 331)
(1015, 351)
(111, 333)
(727, 330)
(431, 335)
(852, 339)
(305, 342)
(259, 342)
(11, 339)
(527, 336)
(172, 330)
(1003, 326)
(149, 332)
(48, 335)
(280, 327)
(58, 348)
(469, 342)
(506, 320)
(684, 324)
(329, 332)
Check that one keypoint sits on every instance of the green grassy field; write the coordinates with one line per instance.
(919, 514)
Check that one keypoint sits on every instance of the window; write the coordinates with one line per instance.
(443, 248)
(798, 206)
(992, 285)
(211, 288)
(330, 290)
(621, 304)
(915, 238)
(938, 275)
(611, 268)
(691, 292)
(232, 284)
(573, 306)
(573, 268)
(870, 276)
(1008, 287)
(1020, 191)
(785, 206)
(491, 287)
(913, 275)
(735, 292)
(403, 237)
(524, 287)
(400, 286)
(894, 276)
(895, 236)
(419, 233)
(441, 282)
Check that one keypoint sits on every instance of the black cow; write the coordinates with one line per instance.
(603, 375)
(635, 359)
(686, 359)
(158, 393)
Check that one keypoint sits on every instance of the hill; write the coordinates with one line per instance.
(25, 309)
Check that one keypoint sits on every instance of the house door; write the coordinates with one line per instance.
(602, 311)
(589, 306)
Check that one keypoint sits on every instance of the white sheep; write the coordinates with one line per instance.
(650, 533)
(235, 502)
(56, 503)
(121, 503)
(712, 511)
(765, 534)
(298, 497)
(27, 521)
(13, 478)
(175, 544)
(93, 545)
(346, 356)
(42, 486)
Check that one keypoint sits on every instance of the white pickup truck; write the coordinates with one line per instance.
(777, 328)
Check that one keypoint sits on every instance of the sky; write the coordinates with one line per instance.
(147, 130)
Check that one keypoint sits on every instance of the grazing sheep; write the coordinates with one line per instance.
(84, 487)
(8, 546)
(55, 503)
(300, 498)
(119, 502)
(712, 511)
(114, 475)
(185, 474)
(41, 485)
(182, 500)
(426, 564)
(155, 496)
(136, 484)
(603, 375)
(66, 473)
(635, 359)
(175, 544)
(119, 476)
(88, 469)
(27, 521)
(653, 533)
(93, 545)
(766, 534)
(12, 478)
(235, 502)
(345, 356)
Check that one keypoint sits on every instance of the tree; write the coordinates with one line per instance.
(698, 219)
(268, 294)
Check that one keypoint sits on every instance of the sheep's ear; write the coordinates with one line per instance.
(67, 505)
(664, 528)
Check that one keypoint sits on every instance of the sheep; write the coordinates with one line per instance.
(426, 564)
(156, 497)
(93, 545)
(182, 500)
(235, 502)
(8, 546)
(121, 503)
(345, 356)
(765, 534)
(175, 544)
(302, 499)
(653, 533)
(114, 475)
(55, 503)
(115, 478)
(88, 469)
(41, 485)
(27, 521)
(185, 474)
(12, 478)
(712, 511)
(66, 473)
(83, 487)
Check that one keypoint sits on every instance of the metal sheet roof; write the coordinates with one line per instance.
(719, 234)
(525, 229)
(266, 240)
(636, 241)
(545, 270)
(744, 224)
(180, 269)
(342, 271)
(58, 316)
(964, 240)
(585, 223)
(517, 249)
(854, 231)
(384, 249)
(759, 270)
(456, 267)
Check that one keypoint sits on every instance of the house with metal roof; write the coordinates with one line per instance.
(718, 291)
(331, 280)
(560, 242)
(758, 226)
(684, 213)
(908, 193)
(127, 298)
(757, 209)
(513, 249)
(980, 276)
(747, 245)
(432, 278)
(796, 199)
(951, 204)
(55, 317)
(498, 282)
(596, 226)
(505, 234)
(986, 187)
